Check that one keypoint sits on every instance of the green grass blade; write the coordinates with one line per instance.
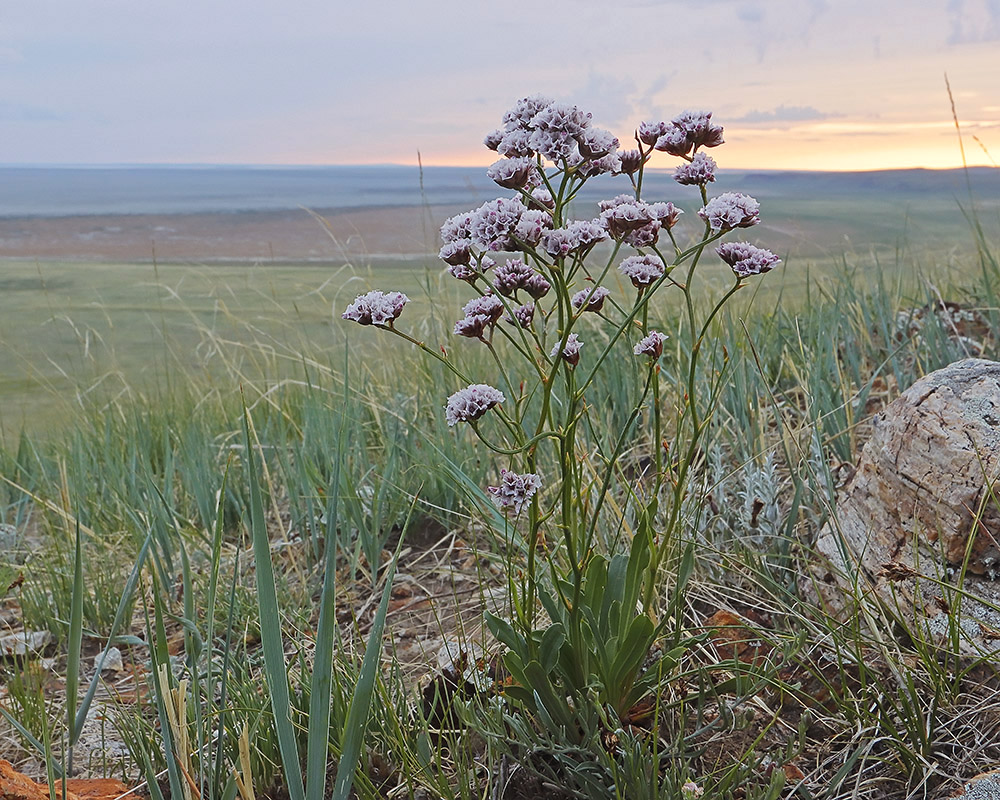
(159, 655)
(322, 679)
(270, 627)
(123, 604)
(74, 648)
(357, 714)
(213, 588)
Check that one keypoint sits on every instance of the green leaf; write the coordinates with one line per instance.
(552, 642)
(158, 655)
(554, 702)
(595, 580)
(75, 642)
(520, 694)
(322, 680)
(123, 604)
(505, 633)
(29, 737)
(357, 713)
(632, 651)
(638, 561)
(515, 666)
(554, 608)
(272, 643)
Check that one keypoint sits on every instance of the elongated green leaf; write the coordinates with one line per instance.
(521, 695)
(638, 561)
(270, 627)
(632, 651)
(213, 589)
(556, 609)
(552, 642)
(322, 679)
(555, 703)
(505, 633)
(159, 655)
(123, 605)
(357, 713)
(75, 642)
(595, 581)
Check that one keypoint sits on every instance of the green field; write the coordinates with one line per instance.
(77, 332)
(73, 333)
(342, 514)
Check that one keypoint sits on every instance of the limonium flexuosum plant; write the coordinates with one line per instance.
(542, 285)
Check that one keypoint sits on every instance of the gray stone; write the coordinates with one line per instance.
(921, 518)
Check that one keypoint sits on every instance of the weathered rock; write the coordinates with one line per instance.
(24, 642)
(921, 516)
(985, 786)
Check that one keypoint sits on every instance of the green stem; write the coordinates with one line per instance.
(684, 465)
(650, 291)
(613, 459)
(518, 450)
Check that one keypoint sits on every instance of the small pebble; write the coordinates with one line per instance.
(112, 661)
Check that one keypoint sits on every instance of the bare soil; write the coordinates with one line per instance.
(298, 235)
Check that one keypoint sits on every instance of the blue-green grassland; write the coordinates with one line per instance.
(181, 402)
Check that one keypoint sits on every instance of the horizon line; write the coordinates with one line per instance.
(55, 165)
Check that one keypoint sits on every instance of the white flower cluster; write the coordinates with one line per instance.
(515, 490)
(376, 308)
(642, 270)
(470, 403)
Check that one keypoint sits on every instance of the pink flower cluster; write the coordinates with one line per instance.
(642, 270)
(636, 222)
(470, 403)
(570, 353)
(514, 173)
(651, 345)
(515, 490)
(514, 275)
(522, 315)
(746, 260)
(376, 308)
(590, 299)
(471, 269)
(688, 131)
(697, 172)
(730, 210)
(577, 237)
(481, 314)
(559, 132)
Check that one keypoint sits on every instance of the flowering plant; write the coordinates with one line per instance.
(538, 278)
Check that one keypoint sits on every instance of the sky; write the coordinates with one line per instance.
(797, 84)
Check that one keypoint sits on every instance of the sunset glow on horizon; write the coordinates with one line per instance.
(835, 147)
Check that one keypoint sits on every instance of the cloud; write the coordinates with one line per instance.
(648, 103)
(973, 21)
(785, 113)
(607, 96)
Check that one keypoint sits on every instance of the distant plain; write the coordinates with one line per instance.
(94, 305)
